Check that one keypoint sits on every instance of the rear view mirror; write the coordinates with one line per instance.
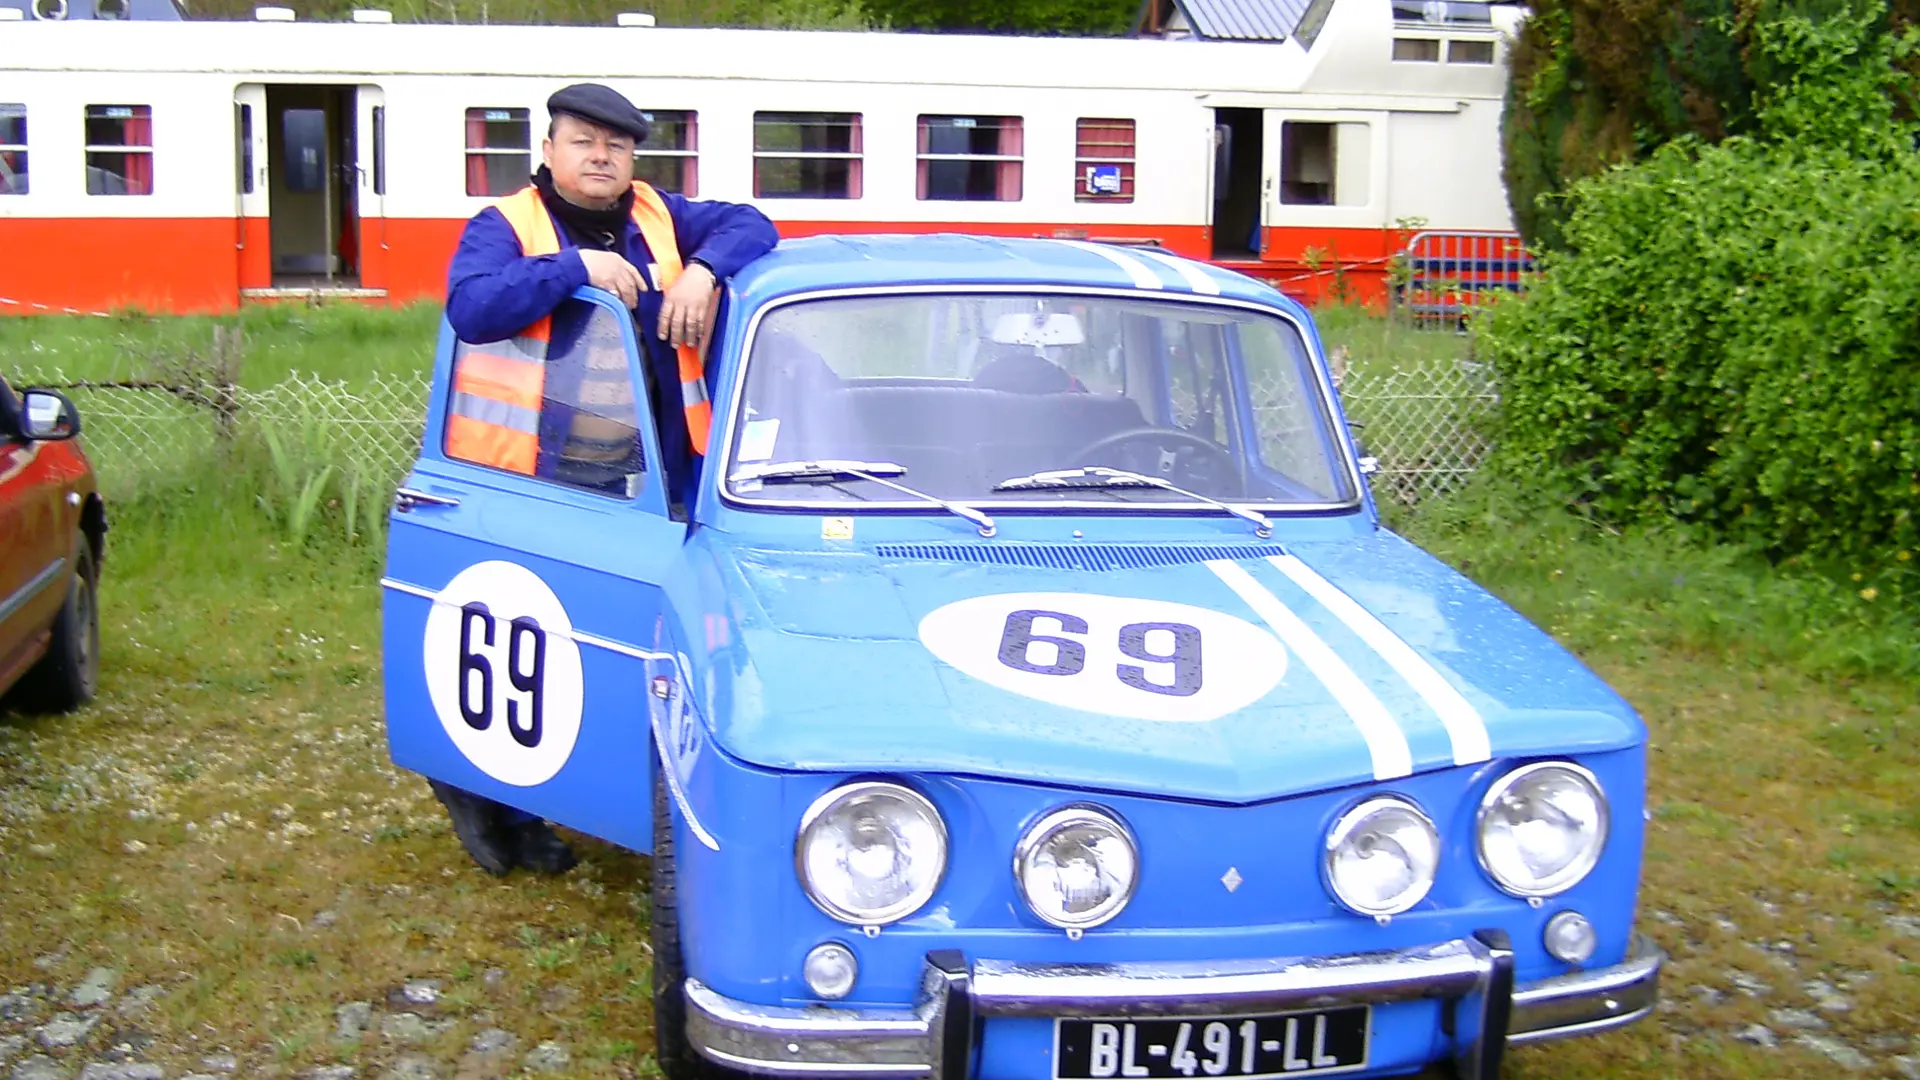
(1038, 329)
(47, 415)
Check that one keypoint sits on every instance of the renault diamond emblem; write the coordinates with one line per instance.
(1231, 879)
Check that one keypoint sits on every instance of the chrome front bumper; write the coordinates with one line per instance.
(1472, 976)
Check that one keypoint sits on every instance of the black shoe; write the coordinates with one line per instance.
(537, 848)
(476, 821)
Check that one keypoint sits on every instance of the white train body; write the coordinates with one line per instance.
(284, 158)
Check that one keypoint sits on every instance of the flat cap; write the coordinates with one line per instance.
(602, 105)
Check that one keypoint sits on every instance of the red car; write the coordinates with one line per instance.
(53, 528)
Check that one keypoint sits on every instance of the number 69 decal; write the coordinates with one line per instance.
(1145, 659)
(503, 672)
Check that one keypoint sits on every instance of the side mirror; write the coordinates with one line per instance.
(47, 416)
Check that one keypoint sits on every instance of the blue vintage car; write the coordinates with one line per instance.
(1030, 690)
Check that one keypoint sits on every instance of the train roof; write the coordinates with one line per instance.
(1354, 59)
(886, 260)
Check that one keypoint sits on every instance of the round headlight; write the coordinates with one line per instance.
(1381, 856)
(1077, 867)
(1542, 828)
(870, 853)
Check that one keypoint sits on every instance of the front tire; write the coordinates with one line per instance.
(677, 1058)
(65, 678)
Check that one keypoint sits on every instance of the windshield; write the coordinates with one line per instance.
(1022, 399)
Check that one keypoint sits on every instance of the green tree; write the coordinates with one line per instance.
(1596, 83)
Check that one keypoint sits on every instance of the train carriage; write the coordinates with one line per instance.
(191, 166)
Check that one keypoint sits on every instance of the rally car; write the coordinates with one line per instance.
(1029, 690)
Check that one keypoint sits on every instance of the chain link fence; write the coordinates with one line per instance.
(1421, 422)
(148, 434)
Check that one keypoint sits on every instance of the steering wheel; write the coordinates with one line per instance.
(1171, 454)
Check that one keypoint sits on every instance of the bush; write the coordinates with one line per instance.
(1732, 333)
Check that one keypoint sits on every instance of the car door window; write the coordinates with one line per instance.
(558, 403)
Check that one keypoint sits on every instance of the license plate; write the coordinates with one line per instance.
(1294, 1044)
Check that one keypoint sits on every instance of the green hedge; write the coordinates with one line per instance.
(1731, 335)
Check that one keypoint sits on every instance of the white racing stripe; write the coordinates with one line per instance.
(1142, 274)
(1392, 757)
(1465, 726)
(1196, 278)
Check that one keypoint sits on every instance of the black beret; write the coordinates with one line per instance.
(602, 105)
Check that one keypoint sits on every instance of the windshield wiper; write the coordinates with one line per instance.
(1098, 476)
(876, 471)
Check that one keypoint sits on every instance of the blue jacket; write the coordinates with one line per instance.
(494, 292)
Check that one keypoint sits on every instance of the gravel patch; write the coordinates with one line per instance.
(139, 999)
(332, 1072)
(1826, 997)
(1797, 1020)
(491, 1041)
(1904, 925)
(1759, 1035)
(38, 1067)
(66, 1029)
(412, 1067)
(96, 988)
(101, 1070)
(10, 1046)
(1750, 985)
(220, 1062)
(548, 1057)
(1908, 1066)
(1835, 1051)
(421, 992)
(351, 1020)
(19, 1006)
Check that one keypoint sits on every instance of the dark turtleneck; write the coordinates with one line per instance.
(588, 228)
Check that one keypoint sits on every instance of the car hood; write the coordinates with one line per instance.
(1223, 673)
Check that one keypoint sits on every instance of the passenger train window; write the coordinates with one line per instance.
(670, 158)
(1417, 50)
(1469, 52)
(1103, 161)
(806, 155)
(13, 149)
(243, 119)
(379, 149)
(119, 150)
(1325, 164)
(303, 134)
(499, 151)
(970, 158)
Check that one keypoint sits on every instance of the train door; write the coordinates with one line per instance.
(1239, 174)
(252, 239)
(370, 108)
(313, 189)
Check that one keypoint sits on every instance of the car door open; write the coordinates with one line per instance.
(522, 602)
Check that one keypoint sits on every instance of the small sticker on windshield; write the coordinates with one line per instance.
(756, 439)
(836, 528)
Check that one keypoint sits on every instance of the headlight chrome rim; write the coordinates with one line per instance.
(1052, 822)
(821, 806)
(1566, 879)
(1344, 825)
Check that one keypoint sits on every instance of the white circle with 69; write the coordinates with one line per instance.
(504, 673)
(1114, 655)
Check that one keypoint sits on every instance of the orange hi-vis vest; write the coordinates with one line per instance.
(494, 418)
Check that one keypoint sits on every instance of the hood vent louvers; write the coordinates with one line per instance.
(1094, 557)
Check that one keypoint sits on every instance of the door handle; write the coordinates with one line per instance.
(405, 499)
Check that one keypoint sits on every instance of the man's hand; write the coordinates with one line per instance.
(683, 307)
(606, 270)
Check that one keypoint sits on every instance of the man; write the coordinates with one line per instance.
(585, 221)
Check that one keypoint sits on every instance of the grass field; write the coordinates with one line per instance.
(222, 830)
